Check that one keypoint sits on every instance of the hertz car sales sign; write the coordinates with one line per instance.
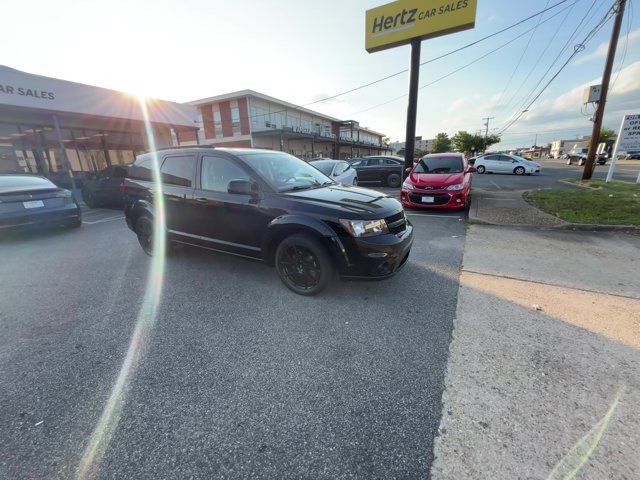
(399, 22)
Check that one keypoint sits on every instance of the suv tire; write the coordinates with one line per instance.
(303, 264)
(393, 180)
(144, 232)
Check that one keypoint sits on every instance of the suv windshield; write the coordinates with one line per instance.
(439, 165)
(284, 172)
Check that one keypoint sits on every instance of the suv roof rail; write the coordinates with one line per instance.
(177, 147)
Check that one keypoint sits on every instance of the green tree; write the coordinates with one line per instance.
(442, 143)
(607, 135)
(467, 143)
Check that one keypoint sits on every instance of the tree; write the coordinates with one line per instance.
(607, 135)
(442, 143)
(467, 143)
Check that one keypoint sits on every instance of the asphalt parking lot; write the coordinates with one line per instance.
(238, 377)
(552, 172)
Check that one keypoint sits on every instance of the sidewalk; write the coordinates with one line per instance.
(507, 208)
(547, 333)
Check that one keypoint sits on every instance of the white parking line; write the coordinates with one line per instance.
(431, 215)
(120, 217)
(495, 184)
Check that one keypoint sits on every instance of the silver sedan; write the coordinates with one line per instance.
(337, 170)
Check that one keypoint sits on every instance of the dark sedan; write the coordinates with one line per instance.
(106, 188)
(30, 201)
(383, 170)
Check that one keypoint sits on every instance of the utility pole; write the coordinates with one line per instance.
(606, 77)
(486, 124)
(412, 108)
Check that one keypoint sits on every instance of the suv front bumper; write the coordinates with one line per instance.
(378, 257)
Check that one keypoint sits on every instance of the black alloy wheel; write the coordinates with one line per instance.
(303, 264)
(144, 231)
(519, 170)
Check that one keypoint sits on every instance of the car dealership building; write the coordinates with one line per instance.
(47, 122)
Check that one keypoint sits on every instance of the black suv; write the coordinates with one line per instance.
(269, 206)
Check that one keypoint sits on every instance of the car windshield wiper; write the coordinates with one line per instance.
(301, 187)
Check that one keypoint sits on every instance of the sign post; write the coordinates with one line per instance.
(411, 21)
(628, 140)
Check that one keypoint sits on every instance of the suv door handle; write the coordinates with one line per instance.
(202, 200)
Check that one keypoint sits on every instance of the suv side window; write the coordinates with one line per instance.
(179, 170)
(388, 161)
(373, 162)
(141, 170)
(358, 163)
(217, 172)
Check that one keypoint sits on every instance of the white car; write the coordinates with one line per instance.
(337, 170)
(506, 163)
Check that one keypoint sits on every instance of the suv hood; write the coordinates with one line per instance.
(436, 179)
(347, 201)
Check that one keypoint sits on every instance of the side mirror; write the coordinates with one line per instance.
(243, 187)
(471, 169)
(408, 169)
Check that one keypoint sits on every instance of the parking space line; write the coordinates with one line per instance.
(119, 217)
(494, 183)
(432, 215)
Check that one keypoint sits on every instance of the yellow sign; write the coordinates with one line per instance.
(398, 23)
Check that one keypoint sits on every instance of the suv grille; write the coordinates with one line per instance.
(397, 223)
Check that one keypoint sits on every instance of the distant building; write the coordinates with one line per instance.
(535, 152)
(251, 119)
(421, 144)
(560, 147)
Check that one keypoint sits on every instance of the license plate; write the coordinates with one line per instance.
(33, 204)
(427, 199)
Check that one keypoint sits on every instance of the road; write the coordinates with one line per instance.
(238, 377)
(552, 172)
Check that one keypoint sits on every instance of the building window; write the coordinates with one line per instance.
(217, 123)
(235, 120)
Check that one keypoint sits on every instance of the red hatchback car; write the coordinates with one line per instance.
(440, 180)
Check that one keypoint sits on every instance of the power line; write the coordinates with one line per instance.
(626, 44)
(460, 68)
(524, 51)
(562, 50)
(451, 52)
(577, 49)
(537, 62)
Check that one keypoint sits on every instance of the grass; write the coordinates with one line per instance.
(613, 203)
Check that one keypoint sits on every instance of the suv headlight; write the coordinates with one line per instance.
(365, 228)
(458, 186)
(407, 186)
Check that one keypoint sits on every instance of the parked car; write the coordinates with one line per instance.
(580, 155)
(32, 201)
(337, 170)
(273, 207)
(106, 188)
(632, 156)
(506, 163)
(439, 180)
(384, 170)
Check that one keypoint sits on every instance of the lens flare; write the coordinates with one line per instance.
(108, 422)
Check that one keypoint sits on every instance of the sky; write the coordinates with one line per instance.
(305, 51)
